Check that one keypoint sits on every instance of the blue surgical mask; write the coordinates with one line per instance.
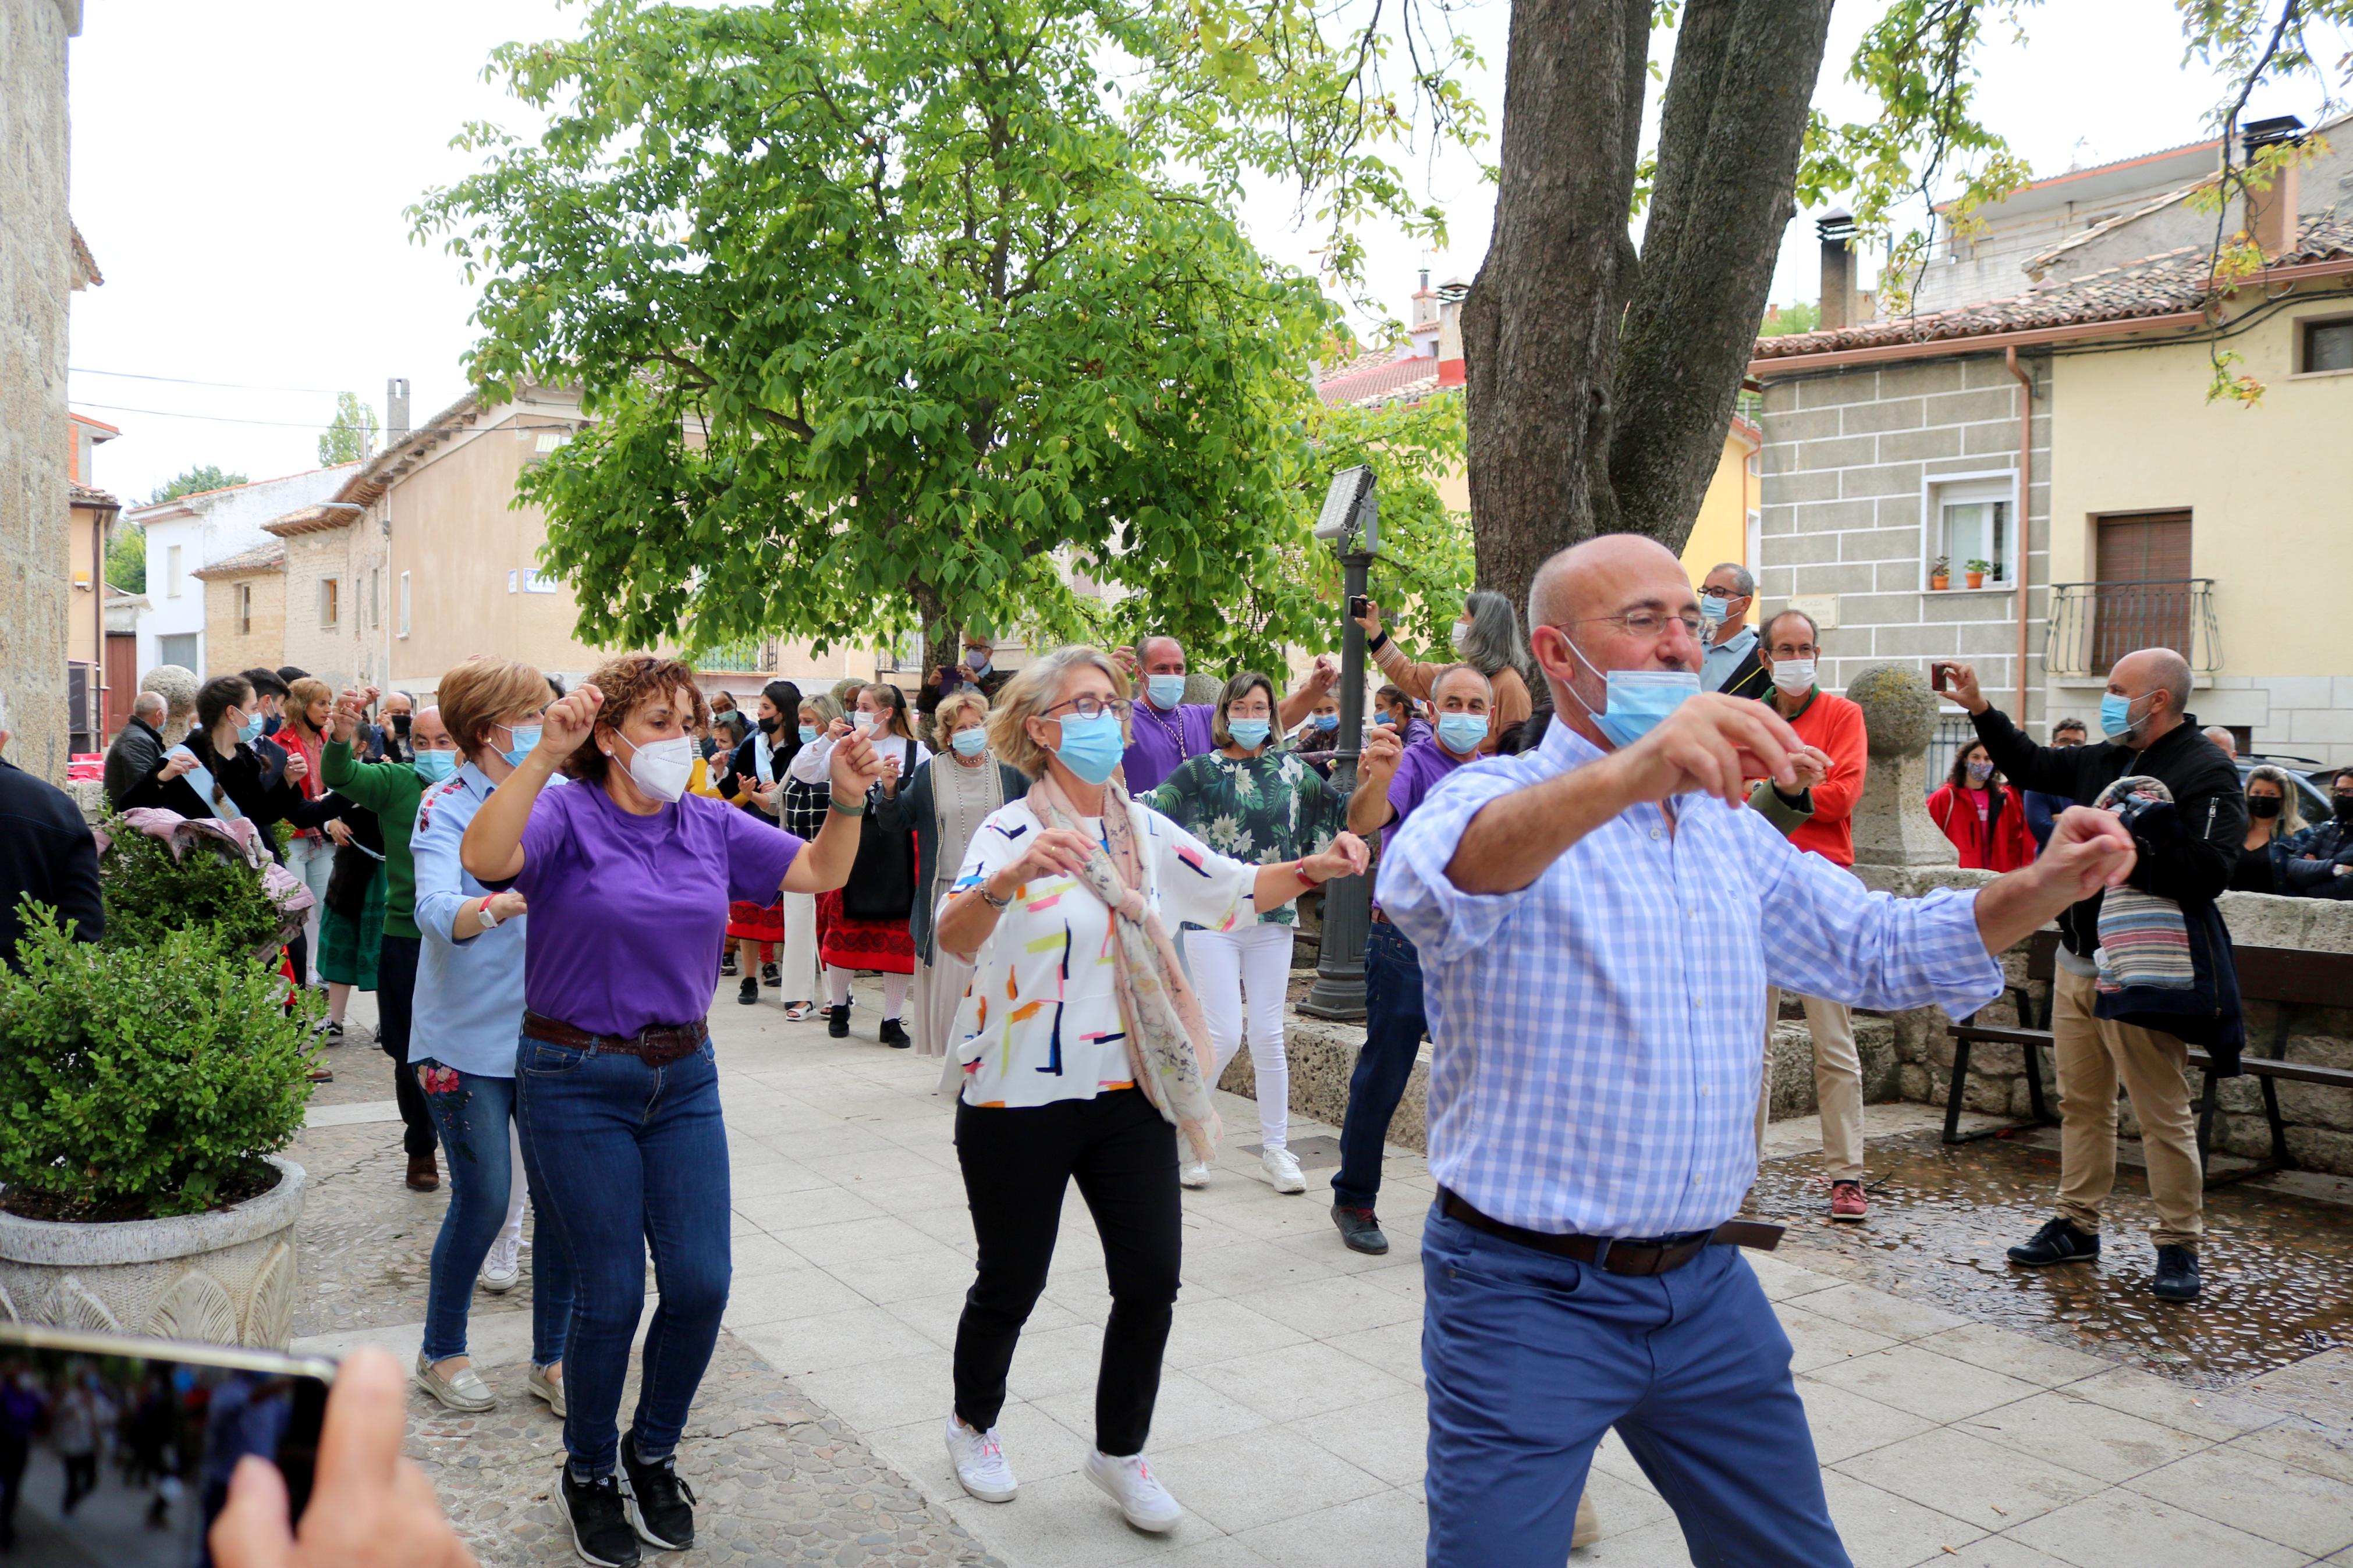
(250, 731)
(1324, 720)
(1712, 609)
(2115, 715)
(434, 766)
(977, 662)
(809, 733)
(1092, 748)
(1389, 719)
(1165, 691)
(1638, 699)
(969, 742)
(1250, 734)
(524, 736)
(1462, 733)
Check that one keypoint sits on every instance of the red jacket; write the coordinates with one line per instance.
(1999, 844)
(1835, 725)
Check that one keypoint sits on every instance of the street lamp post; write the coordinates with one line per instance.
(1350, 521)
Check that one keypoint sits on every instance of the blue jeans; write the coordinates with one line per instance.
(1528, 1359)
(1394, 1025)
(471, 1113)
(624, 1157)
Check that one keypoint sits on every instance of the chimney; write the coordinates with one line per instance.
(396, 410)
(2271, 215)
(1450, 367)
(1424, 303)
(1836, 229)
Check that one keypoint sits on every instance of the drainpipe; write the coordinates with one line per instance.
(2025, 506)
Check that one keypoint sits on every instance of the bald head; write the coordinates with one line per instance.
(2156, 683)
(1568, 586)
(149, 708)
(1578, 609)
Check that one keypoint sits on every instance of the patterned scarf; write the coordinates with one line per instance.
(1167, 1038)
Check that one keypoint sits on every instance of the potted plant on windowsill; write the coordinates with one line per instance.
(1977, 571)
(1940, 574)
(147, 1082)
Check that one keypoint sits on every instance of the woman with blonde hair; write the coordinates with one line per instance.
(863, 926)
(616, 1087)
(1083, 1053)
(943, 804)
(310, 852)
(2272, 819)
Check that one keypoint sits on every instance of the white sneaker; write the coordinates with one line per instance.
(1194, 1175)
(1282, 1171)
(1144, 1502)
(502, 1266)
(979, 1461)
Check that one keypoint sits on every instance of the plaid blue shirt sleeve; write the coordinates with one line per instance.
(1600, 1033)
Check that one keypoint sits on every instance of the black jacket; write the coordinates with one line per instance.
(46, 855)
(131, 764)
(260, 791)
(2193, 870)
(1751, 677)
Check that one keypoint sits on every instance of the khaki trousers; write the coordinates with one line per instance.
(1838, 1081)
(2093, 1056)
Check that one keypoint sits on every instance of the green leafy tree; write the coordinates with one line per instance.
(887, 316)
(350, 436)
(1802, 317)
(126, 558)
(193, 481)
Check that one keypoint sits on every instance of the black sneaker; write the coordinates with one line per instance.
(727, 965)
(895, 1034)
(599, 1520)
(749, 992)
(770, 975)
(837, 1021)
(1360, 1230)
(2176, 1275)
(2057, 1242)
(660, 1505)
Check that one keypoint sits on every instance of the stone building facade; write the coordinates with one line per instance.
(245, 607)
(42, 262)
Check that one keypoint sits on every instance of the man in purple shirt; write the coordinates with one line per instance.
(1167, 731)
(1392, 779)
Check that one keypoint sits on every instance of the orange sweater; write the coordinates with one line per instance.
(1835, 725)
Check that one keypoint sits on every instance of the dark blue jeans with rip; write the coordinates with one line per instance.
(471, 1113)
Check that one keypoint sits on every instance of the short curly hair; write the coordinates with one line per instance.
(628, 681)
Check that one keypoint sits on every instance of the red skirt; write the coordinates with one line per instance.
(879, 947)
(755, 922)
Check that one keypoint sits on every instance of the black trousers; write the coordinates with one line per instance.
(1017, 1161)
(395, 1004)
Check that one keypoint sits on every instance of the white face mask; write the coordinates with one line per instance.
(1793, 674)
(862, 722)
(1462, 631)
(661, 768)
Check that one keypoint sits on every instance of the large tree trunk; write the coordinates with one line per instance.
(1729, 136)
(1600, 385)
(1540, 326)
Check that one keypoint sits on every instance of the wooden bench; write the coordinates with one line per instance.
(2287, 977)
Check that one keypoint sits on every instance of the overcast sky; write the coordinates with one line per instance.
(240, 168)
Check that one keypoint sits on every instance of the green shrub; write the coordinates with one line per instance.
(155, 1074)
(147, 894)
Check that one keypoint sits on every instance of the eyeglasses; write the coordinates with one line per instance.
(1648, 623)
(1093, 706)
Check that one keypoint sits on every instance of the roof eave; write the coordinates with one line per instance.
(1983, 342)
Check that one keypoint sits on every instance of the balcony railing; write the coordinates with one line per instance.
(748, 657)
(2093, 625)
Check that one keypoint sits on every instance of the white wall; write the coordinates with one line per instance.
(210, 528)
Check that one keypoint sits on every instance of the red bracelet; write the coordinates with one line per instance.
(1299, 869)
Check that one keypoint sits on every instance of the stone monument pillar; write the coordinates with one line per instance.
(1892, 826)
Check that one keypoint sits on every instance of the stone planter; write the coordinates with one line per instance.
(225, 1278)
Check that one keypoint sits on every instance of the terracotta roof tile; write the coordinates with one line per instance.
(90, 495)
(317, 518)
(1384, 380)
(269, 557)
(2160, 285)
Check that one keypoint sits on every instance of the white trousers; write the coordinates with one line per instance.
(518, 1185)
(314, 861)
(797, 972)
(1243, 977)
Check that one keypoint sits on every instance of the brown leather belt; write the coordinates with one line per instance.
(1616, 1254)
(1380, 917)
(658, 1045)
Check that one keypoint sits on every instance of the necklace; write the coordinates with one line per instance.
(1176, 732)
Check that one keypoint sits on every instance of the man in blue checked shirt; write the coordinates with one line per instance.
(1596, 1000)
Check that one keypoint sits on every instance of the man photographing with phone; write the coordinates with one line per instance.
(2152, 734)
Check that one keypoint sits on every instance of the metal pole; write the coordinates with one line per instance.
(1339, 989)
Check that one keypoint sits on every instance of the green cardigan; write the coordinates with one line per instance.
(391, 790)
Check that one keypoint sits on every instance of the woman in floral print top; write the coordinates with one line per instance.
(1259, 805)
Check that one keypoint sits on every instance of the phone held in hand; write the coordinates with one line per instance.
(141, 1436)
(1936, 676)
(1358, 605)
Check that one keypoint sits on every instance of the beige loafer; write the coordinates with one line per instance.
(461, 1390)
(548, 1388)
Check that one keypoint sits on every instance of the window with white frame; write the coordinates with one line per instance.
(376, 598)
(404, 603)
(1969, 523)
(172, 572)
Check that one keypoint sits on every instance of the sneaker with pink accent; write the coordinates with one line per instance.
(1848, 1203)
(980, 1464)
(1142, 1500)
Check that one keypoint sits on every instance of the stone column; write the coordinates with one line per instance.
(1892, 826)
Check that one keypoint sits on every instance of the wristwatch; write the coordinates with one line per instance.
(489, 921)
(991, 899)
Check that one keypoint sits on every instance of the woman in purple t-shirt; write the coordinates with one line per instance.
(617, 1092)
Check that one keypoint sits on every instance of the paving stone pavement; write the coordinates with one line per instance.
(1291, 1420)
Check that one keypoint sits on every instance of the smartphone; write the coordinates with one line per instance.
(1936, 677)
(124, 1444)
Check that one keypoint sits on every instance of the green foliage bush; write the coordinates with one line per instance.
(158, 1073)
(147, 894)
